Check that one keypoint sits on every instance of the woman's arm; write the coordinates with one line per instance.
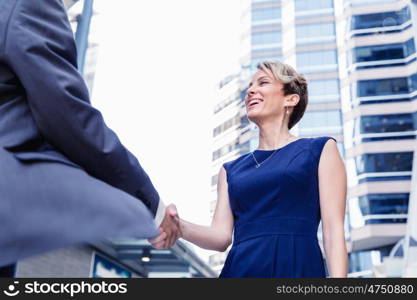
(332, 186)
(218, 235)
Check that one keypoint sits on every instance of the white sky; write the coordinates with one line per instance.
(157, 70)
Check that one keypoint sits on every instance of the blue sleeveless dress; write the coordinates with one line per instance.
(276, 212)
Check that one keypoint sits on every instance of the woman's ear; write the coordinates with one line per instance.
(292, 100)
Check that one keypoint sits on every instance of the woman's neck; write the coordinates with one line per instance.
(272, 137)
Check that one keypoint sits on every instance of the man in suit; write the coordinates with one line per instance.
(65, 176)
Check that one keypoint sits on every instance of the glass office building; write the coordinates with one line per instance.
(378, 92)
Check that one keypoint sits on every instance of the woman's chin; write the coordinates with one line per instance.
(253, 115)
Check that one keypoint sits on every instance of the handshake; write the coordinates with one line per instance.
(169, 230)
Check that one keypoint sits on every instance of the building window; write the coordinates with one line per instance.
(226, 149)
(382, 87)
(264, 2)
(259, 53)
(214, 179)
(316, 58)
(257, 60)
(375, 204)
(413, 82)
(304, 31)
(268, 13)
(243, 93)
(302, 5)
(365, 260)
(318, 122)
(229, 100)
(387, 123)
(267, 37)
(226, 125)
(245, 147)
(383, 52)
(369, 2)
(323, 90)
(384, 19)
(384, 162)
(244, 121)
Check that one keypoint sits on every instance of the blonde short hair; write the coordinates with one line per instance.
(294, 83)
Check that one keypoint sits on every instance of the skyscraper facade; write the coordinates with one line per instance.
(379, 86)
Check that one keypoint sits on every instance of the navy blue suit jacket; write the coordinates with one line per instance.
(65, 176)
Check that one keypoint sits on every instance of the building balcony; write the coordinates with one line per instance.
(376, 235)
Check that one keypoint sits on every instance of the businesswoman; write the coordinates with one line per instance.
(272, 199)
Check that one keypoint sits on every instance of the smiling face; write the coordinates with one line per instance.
(265, 98)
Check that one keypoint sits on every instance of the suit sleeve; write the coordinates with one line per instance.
(40, 48)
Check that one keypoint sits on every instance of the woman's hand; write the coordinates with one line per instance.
(167, 237)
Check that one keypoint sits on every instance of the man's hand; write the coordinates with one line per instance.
(169, 231)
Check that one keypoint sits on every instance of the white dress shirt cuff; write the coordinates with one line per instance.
(160, 213)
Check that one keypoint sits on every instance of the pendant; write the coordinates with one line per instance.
(257, 166)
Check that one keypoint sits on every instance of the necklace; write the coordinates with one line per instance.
(259, 164)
